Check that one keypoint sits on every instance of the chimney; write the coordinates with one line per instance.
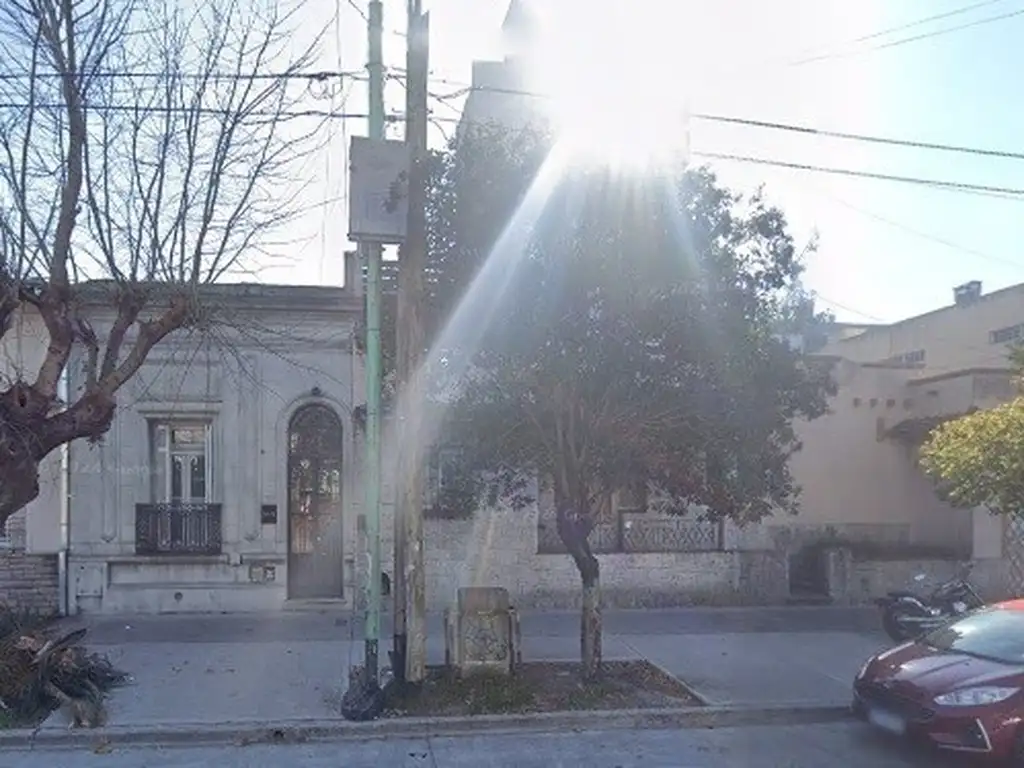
(967, 294)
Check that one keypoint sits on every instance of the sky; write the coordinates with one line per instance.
(887, 250)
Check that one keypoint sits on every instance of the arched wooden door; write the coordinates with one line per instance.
(315, 559)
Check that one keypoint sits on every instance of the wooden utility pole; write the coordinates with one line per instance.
(410, 640)
(372, 252)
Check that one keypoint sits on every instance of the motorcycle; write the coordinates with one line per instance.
(907, 615)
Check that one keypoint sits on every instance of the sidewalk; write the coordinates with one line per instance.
(244, 669)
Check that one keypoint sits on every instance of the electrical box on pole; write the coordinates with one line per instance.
(378, 207)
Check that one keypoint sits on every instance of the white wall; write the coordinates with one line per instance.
(248, 384)
(22, 350)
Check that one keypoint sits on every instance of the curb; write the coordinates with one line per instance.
(310, 730)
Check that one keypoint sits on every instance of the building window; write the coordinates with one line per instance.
(180, 518)
(5, 538)
(182, 462)
(1006, 335)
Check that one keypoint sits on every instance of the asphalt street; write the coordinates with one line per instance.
(842, 745)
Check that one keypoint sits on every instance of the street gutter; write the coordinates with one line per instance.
(337, 730)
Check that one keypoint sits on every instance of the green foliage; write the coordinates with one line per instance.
(623, 330)
(799, 316)
(978, 459)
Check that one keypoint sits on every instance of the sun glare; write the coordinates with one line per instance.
(616, 96)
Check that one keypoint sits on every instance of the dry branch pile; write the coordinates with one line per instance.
(41, 671)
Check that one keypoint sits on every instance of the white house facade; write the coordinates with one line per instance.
(227, 481)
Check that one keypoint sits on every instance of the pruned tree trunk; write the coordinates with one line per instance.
(590, 616)
(574, 526)
(29, 430)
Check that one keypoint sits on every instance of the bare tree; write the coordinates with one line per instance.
(146, 149)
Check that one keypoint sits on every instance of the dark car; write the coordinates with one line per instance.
(959, 687)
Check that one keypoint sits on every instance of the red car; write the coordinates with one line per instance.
(959, 687)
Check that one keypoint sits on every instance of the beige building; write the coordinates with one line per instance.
(861, 481)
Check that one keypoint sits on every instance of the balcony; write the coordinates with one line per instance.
(178, 529)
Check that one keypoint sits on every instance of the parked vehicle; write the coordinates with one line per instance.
(959, 687)
(906, 615)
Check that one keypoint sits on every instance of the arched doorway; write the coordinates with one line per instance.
(315, 561)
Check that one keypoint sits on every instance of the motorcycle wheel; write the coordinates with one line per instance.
(897, 630)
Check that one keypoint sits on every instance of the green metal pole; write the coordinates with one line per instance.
(375, 68)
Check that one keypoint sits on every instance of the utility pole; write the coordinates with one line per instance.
(409, 584)
(372, 254)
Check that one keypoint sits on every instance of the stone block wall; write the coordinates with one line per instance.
(29, 582)
(868, 579)
(498, 547)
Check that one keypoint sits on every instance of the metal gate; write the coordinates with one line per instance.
(315, 557)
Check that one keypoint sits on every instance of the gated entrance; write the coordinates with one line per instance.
(315, 503)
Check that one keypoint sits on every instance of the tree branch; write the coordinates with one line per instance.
(150, 334)
(92, 345)
(129, 305)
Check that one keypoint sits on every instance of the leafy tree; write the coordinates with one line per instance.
(143, 153)
(800, 317)
(978, 459)
(605, 331)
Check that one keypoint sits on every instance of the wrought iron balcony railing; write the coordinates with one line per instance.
(178, 529)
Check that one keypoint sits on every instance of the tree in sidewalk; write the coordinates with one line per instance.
(977, 460)
(144, 152)
(629, 335)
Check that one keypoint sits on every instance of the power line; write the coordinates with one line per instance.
(358, 9)
(919, 233)
(318, 76)
(1006, 192)
(912, 39)
(808, 130)
(838, 305)
(925, 20)
(240, 113)
(1014, 193)
(754, 123)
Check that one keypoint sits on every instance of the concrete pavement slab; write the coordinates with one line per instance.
(242, 682)
(820, 746)
(343, 625)
(763, 668)
(242, 668)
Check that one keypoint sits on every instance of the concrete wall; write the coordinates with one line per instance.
(498, 547)
(868, 579)
(248, 384)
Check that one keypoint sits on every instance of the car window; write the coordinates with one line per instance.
(994, 633)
